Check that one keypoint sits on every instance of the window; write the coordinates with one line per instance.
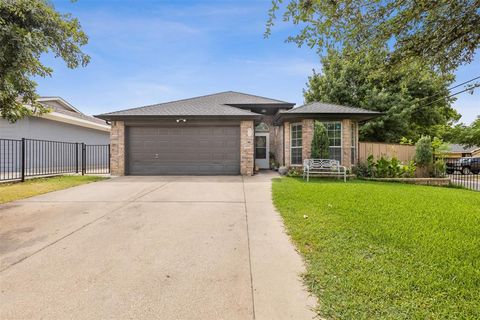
(260, 147)
(354, 142)
(296, 143)
(334, 132)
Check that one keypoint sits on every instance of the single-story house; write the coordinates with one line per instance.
(226, 133)
(64, 123)
(458, 151)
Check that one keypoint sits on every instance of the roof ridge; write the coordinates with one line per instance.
(235, 108)
(193, 98)
(159, 104)
(254, 95)
(179, 100)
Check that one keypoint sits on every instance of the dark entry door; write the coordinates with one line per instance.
(213, 150)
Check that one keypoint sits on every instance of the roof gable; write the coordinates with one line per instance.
(57, 103)
(218, 104)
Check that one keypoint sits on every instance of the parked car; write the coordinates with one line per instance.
(464, 166)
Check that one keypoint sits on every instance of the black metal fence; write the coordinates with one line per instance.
(24, 158)
(464, 172)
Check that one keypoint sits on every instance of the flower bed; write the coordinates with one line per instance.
(442, 182)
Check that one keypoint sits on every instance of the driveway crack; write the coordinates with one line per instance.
(248, 245)
(124, 203)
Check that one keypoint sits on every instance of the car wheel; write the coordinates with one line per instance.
(465, 170)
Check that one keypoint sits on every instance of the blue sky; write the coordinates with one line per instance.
(145, 52)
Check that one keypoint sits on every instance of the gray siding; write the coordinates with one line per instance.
(44, 129)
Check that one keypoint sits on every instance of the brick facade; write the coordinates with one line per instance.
(247, 134)
(117, 148)
(286, 135)
(307, 137)
(346, 143)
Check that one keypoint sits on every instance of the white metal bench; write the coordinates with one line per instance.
(323, 167)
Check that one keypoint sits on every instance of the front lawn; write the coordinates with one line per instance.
(384, 250)
(20, 190)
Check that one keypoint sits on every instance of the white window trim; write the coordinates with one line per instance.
(292, 147)
(341, 138)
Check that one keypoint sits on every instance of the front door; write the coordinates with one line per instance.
(262, 150)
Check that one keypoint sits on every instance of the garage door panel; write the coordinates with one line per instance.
(187, 150)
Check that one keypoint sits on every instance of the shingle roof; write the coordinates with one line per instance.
(459, 148)
(78, 115)
(325, 108)
(218, 104)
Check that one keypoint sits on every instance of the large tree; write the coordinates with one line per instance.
(414, 98)
(444, 33)
(465, 135)
(28, 29)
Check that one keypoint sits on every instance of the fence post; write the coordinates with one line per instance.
(84, 159)
(23, 159)
(76, 157)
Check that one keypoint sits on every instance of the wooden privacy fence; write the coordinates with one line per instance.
(402, 152)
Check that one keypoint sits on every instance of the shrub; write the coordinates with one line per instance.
(423, 151)
(385, 168)
(408, 170)
(295, 172)
(439, 168)
(320, 143)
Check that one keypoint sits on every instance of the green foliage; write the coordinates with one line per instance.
(33, 187)
(423, 151)
(439, 168)
(320, 142)
(409, 169)
(465, 135)
(444, 34)
(295, 172)
(378, 250)
(406, 141)
(28, 29)
(413, 97)
(385, 168)
(440, 148)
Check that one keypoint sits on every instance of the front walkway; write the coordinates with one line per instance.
(150, 248)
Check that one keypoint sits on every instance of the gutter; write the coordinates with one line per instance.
(59, 117)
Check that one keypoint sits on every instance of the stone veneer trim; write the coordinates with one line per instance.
(117, 148)
(247, 134)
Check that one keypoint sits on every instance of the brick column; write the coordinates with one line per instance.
(117, 148)
(286, 136)
(247, 134)
(307, 137)
(346, 143)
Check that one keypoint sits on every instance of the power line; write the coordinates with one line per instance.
(454, 94)
(456, 86)
(461, 84)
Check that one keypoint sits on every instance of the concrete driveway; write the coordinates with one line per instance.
(150, 248)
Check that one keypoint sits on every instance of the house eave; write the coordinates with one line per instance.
(59, 117)
(162, 117)
(285, 116)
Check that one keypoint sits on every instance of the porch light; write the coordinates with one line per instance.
(181, 120)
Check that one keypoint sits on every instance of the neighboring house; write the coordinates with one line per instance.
(64, 123)
(458, 151)
(226, 133)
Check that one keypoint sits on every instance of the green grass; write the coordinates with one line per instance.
(386, 250)
(20, 190)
